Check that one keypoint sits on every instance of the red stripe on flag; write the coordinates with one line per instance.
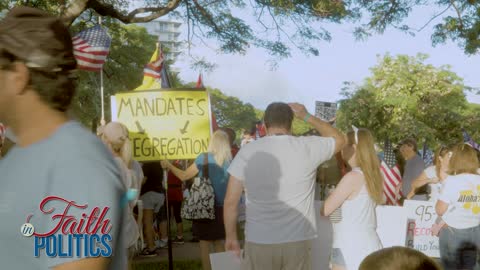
(90, 60)
(97, 53)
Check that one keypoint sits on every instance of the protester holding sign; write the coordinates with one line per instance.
(58, 173)
(217, 159)
(357, 195)
(459, 207)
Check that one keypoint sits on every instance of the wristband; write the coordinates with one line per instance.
(305, 119)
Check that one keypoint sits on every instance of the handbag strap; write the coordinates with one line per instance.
(205, 166)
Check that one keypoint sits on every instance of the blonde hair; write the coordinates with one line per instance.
(115, 135)
(398, 258)
(441, 152)
(367, 160)
(464, 160)
(220, 147)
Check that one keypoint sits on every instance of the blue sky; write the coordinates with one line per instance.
(307, 79)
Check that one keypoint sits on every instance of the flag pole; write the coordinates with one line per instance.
(102, 121)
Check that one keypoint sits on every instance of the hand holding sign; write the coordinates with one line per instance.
(233, 245)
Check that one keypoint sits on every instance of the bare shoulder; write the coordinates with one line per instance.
(353, 179)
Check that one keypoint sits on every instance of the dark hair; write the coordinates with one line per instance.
(42, 42)
(411, 142)
(278, 114)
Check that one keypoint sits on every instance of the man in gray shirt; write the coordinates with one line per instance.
(414, 166)
(61, 190)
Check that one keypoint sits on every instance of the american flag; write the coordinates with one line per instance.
(91, 48)
(469, 140)
(391, 174)
(427, 155)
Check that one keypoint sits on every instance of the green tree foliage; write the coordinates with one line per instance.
(403, 97)
(280, 25)
(231, 111)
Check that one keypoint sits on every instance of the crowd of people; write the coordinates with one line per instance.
(55, 156)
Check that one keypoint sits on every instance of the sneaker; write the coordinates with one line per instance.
(178, 240)
(161, 243)
(148, 252)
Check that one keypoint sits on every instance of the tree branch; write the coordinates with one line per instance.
(104, 9)
(433, 18)
(460, 20)
(208, 16)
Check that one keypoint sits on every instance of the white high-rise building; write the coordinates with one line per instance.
(168, 33)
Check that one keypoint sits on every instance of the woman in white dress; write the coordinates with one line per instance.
(356, 196)
(433, 175)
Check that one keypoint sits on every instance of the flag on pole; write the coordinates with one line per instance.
(427, 155)
(391, 174)
(155, 73)
(470, 141)
(200, 81)
(91, 48)
(213, 118)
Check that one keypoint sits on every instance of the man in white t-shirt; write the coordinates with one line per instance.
(278, 173)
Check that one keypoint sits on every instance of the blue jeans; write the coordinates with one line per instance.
(459, 248)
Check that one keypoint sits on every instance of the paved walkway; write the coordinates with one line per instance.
(187, 251)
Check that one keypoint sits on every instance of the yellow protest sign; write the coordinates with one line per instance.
(172, 124)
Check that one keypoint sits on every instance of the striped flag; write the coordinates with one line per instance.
(392, 178)
(155, 73)
(469, 140)
(154, 69)
(391, 174)
(91, 48)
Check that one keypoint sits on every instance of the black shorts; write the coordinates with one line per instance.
(210, 230)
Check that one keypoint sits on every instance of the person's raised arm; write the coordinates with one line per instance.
(230, 213)
(340, 194)
(324, 128)
(191, 171)
(419, 182)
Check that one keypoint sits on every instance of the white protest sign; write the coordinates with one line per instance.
(421, 216)
(225, 260)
